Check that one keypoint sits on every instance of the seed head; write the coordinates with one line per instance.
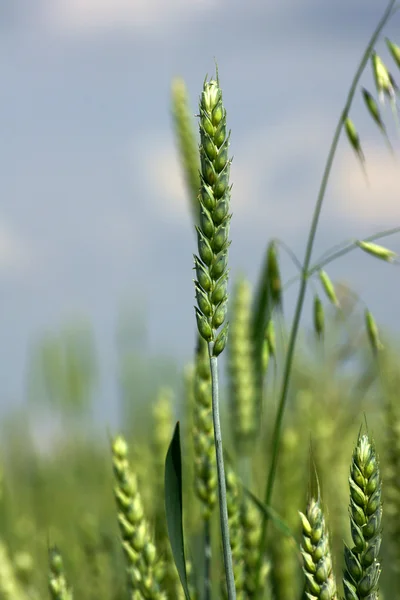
(362, 571)
(372, 331)
(378, 251)
(354, 138)
(329, 288)
(394, 50)
(373, 109)
(213, 229)
(319, 317)
(317, 560)
(384, 81)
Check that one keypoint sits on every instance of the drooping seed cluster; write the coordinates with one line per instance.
(145, 571)
(243, 398)
(317, 560)
(58, 587)
(205, 478)
(213, 230)
(362, 572)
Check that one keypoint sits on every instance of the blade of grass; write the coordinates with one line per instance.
(174, 506)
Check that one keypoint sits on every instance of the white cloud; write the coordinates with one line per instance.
(156, 158)
(262, 159)
(376, 200)
(83, 16)
(14, 254)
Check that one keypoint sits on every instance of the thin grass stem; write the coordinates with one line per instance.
(304, 279)
(223, 509)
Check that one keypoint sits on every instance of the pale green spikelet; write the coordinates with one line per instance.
(213, 231)
(319, 317)
(250, 519)
(377, 251)
(205, 479)
(394, 50)
(234, 494)
(244, 409)
(145, 571)
(354, 138)
(317, 559)
(373, 109)
(372, 332)
(187, 143)
(384, 83)
(360, 580)
(328, 287)
(58, 586)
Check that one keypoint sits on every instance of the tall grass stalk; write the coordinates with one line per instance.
(212, 270)
(306, 265)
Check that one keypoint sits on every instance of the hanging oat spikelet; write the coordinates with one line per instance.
(377, 251)
(394, 50)
(329, 288)
(319, 317)
(372, 332)
(354, 138)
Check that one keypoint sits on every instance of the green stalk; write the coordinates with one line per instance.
(338, 251)
(348, 248)
(223, 508)
(303, 285)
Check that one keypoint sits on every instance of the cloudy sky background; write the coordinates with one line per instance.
(93, 209)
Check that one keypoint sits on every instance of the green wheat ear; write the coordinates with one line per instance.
(213, 230)
(320, 580)
(187, 142)
(145, 571)
(58, 587)
(360, 581)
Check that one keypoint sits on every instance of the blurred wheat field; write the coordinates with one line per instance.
(64, 496)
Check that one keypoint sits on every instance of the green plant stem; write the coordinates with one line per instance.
(351, 246)
(223, 508)
(338, 251)
(304, 279)
(207, 559)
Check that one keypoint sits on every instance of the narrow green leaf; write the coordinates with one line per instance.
(173, 506)
(270, 513)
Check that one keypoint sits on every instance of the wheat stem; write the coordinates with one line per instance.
(223, 509)
(306, 265)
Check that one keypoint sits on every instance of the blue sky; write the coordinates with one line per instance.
(93, 208)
